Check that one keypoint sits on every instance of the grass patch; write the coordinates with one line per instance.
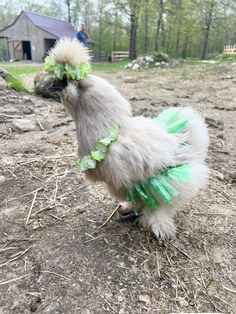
(114, 66)
(17, 70)
(13, 81)
(18, 86)
(193, 61)
(226, 58)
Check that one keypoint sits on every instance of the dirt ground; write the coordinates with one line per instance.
(55, 256)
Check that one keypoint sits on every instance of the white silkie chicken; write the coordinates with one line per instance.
(154, 164)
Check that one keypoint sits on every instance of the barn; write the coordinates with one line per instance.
(31, 35)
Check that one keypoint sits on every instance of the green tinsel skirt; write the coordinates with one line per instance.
(157, 189)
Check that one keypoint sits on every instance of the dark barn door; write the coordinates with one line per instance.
(48, 44)
(26, 50)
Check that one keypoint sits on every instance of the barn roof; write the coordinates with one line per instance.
(51, 25)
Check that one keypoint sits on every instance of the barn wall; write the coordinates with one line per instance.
(24, 30)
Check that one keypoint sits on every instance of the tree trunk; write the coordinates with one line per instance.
(158, 26)
(185, 47)
(177, 43)
(207, 31)
(115, 32)
(156, 40)
(168, 39)
(163, 42)
(100, 37)
(133, 36)
(146, 28)
(68, 10)
(86, 14)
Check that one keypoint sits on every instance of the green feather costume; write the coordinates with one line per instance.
(150, 193)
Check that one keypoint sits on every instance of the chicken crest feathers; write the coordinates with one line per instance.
(68, 58)
(69, 51)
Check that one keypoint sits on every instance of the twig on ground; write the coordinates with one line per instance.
(111, 215)
(10, 116)
(176, 288)
(23, 162)
(40, 125)
(71, 192)
(110, 306)
(15, 258)
(89, 235)
(55, 274)
(11, 172)
(7, 249)
(158, 265)
(6, 244)
(233, 282)
(45, 208)
(168, 258)
(18, 197)
(229, 289)
(214, 214)
(183, 288)
(34, 294)
(59, 156)
(93, 239)
(145, 261)
(31, 207)
(230, 305)
(12, 280)
(213, 303)
(145, 250)
(181, 251)
(58, 174)
(56, 188)
(54, 216)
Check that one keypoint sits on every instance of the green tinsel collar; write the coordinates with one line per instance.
(99, 151)
(77, 72)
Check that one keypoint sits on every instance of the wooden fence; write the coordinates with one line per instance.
(119, 55)
(229, 50)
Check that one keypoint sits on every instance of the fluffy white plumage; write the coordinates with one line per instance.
(143, 146)
(70, 51)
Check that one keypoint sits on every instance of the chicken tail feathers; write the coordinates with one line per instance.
(170, 120)
(157, 189)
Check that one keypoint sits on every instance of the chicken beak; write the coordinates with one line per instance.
(56, 86)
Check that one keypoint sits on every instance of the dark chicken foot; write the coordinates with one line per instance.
(130, 216)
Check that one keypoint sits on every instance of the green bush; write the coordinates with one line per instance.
(160, 56)
(224, 57)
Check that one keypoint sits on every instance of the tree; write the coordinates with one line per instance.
(210, 6)
(146, 13)
(101, 7)
(160, 5)
(68, 4)
(132, 9)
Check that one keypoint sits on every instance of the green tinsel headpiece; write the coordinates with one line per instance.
(77, 72)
